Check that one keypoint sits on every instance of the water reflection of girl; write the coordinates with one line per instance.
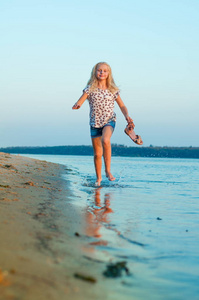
(97, 215)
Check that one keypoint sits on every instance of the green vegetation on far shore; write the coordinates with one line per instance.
(117, 150)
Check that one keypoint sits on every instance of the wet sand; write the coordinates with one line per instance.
(41, 254)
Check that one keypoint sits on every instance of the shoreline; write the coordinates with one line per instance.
(59, 233)
(41, 253)
(117, 150)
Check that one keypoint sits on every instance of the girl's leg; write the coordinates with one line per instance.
(98, 152)
(106, 143)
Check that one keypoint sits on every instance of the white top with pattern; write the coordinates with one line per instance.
(101, 104)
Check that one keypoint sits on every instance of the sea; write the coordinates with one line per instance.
(148, 218)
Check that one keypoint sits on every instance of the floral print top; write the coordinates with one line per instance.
(101, 104)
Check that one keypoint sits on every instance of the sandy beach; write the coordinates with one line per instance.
(62, 238)
(41, 253)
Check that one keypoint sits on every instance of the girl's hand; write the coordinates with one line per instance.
(76, 106)
(130, 121)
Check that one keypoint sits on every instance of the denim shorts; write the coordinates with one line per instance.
(96, 132)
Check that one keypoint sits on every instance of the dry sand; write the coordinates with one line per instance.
(39, 251)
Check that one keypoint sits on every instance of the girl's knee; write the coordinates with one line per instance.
(106, 142)
(98, 154)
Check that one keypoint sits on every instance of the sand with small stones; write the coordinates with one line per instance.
(39, 250)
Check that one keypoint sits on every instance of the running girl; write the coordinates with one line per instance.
(102, 93)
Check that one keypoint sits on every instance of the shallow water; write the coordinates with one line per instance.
(149, 217)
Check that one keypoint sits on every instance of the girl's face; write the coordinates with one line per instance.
(102, 72)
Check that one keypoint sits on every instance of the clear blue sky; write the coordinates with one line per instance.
(48, 49)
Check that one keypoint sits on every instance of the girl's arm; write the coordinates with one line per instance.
(81, 100)
(124, 109)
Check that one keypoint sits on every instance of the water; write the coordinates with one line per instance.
(148, 217)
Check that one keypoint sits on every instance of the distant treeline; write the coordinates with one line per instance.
(117, 150)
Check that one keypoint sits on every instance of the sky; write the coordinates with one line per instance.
(48, 49)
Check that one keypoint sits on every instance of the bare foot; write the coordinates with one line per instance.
(110, 176)
(98, 182)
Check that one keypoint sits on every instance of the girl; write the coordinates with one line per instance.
(101, 93)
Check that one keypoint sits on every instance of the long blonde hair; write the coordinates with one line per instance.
(93, 82)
